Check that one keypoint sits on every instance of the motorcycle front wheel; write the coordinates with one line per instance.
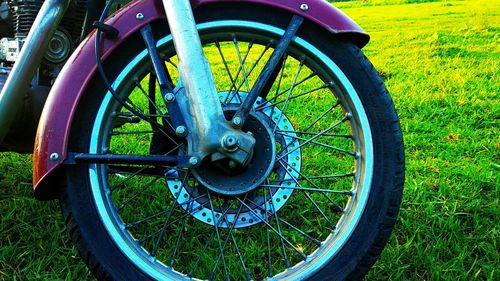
(331, 196)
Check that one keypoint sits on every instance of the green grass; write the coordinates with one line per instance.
(440, 62)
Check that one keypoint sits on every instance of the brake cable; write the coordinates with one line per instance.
(111, 32)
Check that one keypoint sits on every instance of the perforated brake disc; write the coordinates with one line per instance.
(191, 196)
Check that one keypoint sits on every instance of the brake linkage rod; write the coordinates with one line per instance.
(265, 76)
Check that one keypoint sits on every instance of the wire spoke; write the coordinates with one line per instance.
(285, 60)
(138, 84)
(155, 215)
(226, 273)
(247, 275)
(134, 196)
(284, 132)
(230, 97)
(279, 94)
(308, 189)
(308, 179)
(348, 193)
(128, 114)
(124, 181)
(306, 194)
(332, 176)
(240, 70)
(207, 243)
(153, 124)
(152, 234)
(177, 242)
(217, 44)
(275, 231)
(232, 226)
(165, 225)
(271, 104)
(321, 144)
(322, 116)
(314, 137)
(275, 214)
(313, 74)
(283, 109)
(269, 264)
(233, 86)
(119, 133)
(315, 241)
(152, 100)
(252, 68)
(242, 63)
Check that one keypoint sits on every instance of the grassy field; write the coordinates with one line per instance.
(440, 61)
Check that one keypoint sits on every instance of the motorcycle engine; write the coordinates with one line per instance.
(16, 19)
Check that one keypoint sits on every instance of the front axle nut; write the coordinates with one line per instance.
(230, 142)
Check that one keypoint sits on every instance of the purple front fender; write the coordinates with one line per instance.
(55, 124)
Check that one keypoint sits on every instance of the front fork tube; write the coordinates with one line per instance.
(201, 110)
(35, 46)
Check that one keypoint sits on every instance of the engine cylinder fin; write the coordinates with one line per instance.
(24, 13)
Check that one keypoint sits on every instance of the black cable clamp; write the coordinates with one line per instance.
(109, 31)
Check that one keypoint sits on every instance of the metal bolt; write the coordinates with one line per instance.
(237, 121)
(304, 7)
(54, 157)
(139, 16)
(170, 97)
(193, 161)
(230, 142)
(348, 115)
(181, 131)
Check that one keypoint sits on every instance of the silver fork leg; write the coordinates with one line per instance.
(35, 46)
(194, 69)
(205, 117)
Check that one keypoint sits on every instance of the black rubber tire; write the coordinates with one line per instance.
(363, 248)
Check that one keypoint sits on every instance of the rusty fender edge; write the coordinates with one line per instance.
(55, 123)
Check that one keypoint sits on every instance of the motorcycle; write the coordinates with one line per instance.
(204, 139)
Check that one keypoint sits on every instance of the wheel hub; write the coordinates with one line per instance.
(225, 177)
